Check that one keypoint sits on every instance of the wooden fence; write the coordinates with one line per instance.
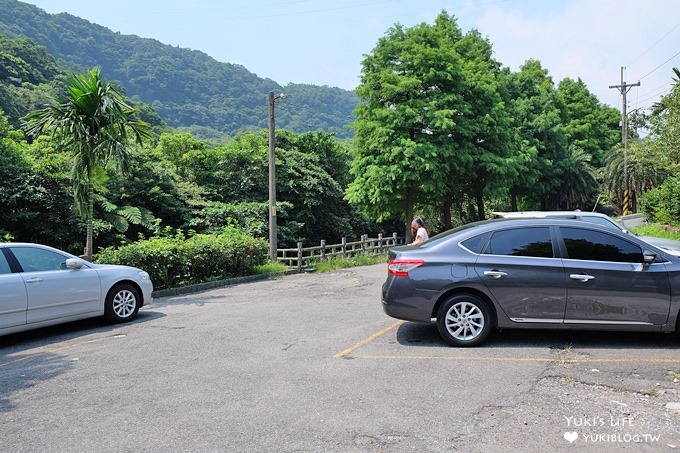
(303, 256)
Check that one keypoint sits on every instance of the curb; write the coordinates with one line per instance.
(198, 287)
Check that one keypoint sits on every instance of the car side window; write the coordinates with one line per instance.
(476, 244)
(4, 265)
(33, 259)
(592, 245)
(533, 241)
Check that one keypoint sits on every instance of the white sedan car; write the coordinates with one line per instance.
(42, 286)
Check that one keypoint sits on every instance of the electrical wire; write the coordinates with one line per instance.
(653, 45)
(660, 66)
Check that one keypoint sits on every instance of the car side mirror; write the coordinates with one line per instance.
(648, 257)
(74, 263)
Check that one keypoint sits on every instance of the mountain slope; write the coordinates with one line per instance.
(186, 87)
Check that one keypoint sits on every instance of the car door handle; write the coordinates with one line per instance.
(34, 280)
(581, 277)
(495, 274)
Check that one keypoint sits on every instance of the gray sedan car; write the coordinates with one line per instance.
(533, 273)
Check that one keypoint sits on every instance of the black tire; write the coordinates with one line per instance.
(122, 303)
(464, 320)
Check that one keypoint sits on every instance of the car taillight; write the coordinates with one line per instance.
(401, 268)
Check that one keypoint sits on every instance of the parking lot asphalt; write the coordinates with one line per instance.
(309, 362)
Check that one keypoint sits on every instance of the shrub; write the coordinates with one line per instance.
(176, 260)
(662, 204)
(650, 203)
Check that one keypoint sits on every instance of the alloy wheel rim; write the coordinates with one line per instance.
(464, 321)
(124, 303)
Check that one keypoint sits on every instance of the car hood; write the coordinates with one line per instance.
(112, 266)
(668, 245)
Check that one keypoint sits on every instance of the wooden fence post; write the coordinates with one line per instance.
(299, 256)
(395, 238)
(323, 250)
(344, 247)
(363, 243)
(380, 243)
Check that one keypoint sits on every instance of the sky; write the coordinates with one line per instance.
(323, 42)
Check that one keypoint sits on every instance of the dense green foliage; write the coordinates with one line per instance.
(182, 183)
(186, 87)
(29, 76)
(659, 157)
(443, 129)
(662, 203)
(92, 125)
(172, 260)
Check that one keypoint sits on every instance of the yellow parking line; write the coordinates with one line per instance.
(346, 352)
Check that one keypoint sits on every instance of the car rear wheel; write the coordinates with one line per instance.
(464, 320)
(122, 303)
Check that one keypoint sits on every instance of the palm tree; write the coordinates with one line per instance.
(648, 166)
(93, 124)
(577, 183)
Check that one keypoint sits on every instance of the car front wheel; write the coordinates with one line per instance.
(122, 303)
(464, 320)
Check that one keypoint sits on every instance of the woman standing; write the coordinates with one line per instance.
(419, 232)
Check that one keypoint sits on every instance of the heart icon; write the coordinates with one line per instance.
(571, 436)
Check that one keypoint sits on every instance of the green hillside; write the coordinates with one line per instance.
(187, 88)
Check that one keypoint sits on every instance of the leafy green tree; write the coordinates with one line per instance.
(93, 124)
(175, 146)
(664, 123)
(28, 76)
(311, 178)
(564, 135)
(654, 162)
(485, 136)
(589, 124)
(35, 205)
(236, 172)
(542, 140)
(577, 182)
(153, 186)
(648, 166)
(410, 92)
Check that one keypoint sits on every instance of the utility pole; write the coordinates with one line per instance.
(624, 88)
(272, 176)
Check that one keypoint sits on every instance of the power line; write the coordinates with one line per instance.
(658, 67)
(653, 96)
(653, 45)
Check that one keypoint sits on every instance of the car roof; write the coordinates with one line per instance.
(23, 244)
(544, 221)
(33, 244)
(542, 214)
(475, 228)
